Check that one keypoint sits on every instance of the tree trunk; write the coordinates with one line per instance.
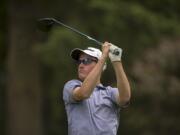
(23, 87)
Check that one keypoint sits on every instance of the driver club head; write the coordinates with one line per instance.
(45, 24)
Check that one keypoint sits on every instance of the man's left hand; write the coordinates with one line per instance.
(115, 53)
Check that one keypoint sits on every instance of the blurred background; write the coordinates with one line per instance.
(34, 65)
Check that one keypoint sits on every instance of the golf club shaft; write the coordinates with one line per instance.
(49, 22)
(80, 33)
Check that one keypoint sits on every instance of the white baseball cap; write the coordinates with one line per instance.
(91, 51)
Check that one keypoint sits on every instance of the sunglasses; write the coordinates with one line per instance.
(86, 61)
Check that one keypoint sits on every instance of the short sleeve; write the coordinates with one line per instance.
(68, 90)
(113, 93)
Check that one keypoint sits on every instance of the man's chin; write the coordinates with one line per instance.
(81, 77)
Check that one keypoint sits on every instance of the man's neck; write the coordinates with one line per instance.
(98, 82)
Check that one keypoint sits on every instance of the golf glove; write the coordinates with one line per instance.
(115, 53)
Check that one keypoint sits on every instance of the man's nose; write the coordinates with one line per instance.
(81, 65)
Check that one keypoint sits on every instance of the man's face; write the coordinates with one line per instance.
(85, 64)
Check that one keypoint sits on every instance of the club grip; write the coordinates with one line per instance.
(114, 50)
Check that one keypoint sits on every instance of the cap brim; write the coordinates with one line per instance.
(75, 53)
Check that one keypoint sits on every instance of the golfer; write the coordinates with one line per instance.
(92, 108)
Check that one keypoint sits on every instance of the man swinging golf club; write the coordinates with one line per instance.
(93, 109)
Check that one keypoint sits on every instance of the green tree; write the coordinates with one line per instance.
(23, 95)
(39, 63)
(156, 76)
(132, 25)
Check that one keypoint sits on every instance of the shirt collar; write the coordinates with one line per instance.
(100, 87)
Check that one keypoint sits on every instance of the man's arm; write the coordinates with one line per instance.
(122, 81)
(89, 83)
(122, 84)
(93, 77)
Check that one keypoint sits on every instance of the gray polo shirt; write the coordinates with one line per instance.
(97, 115)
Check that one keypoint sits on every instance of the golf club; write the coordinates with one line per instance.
(45, 24)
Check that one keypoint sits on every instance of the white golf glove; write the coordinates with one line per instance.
(115, 53)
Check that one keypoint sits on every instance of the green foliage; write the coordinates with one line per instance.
(156, 94)
(133, 25)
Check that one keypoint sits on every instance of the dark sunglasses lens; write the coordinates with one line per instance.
(85, 61)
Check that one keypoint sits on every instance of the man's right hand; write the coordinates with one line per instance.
(105, 49)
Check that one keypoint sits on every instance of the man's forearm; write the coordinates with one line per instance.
(90, 82)
(122, 83)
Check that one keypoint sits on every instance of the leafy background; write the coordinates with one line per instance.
(35, 65)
